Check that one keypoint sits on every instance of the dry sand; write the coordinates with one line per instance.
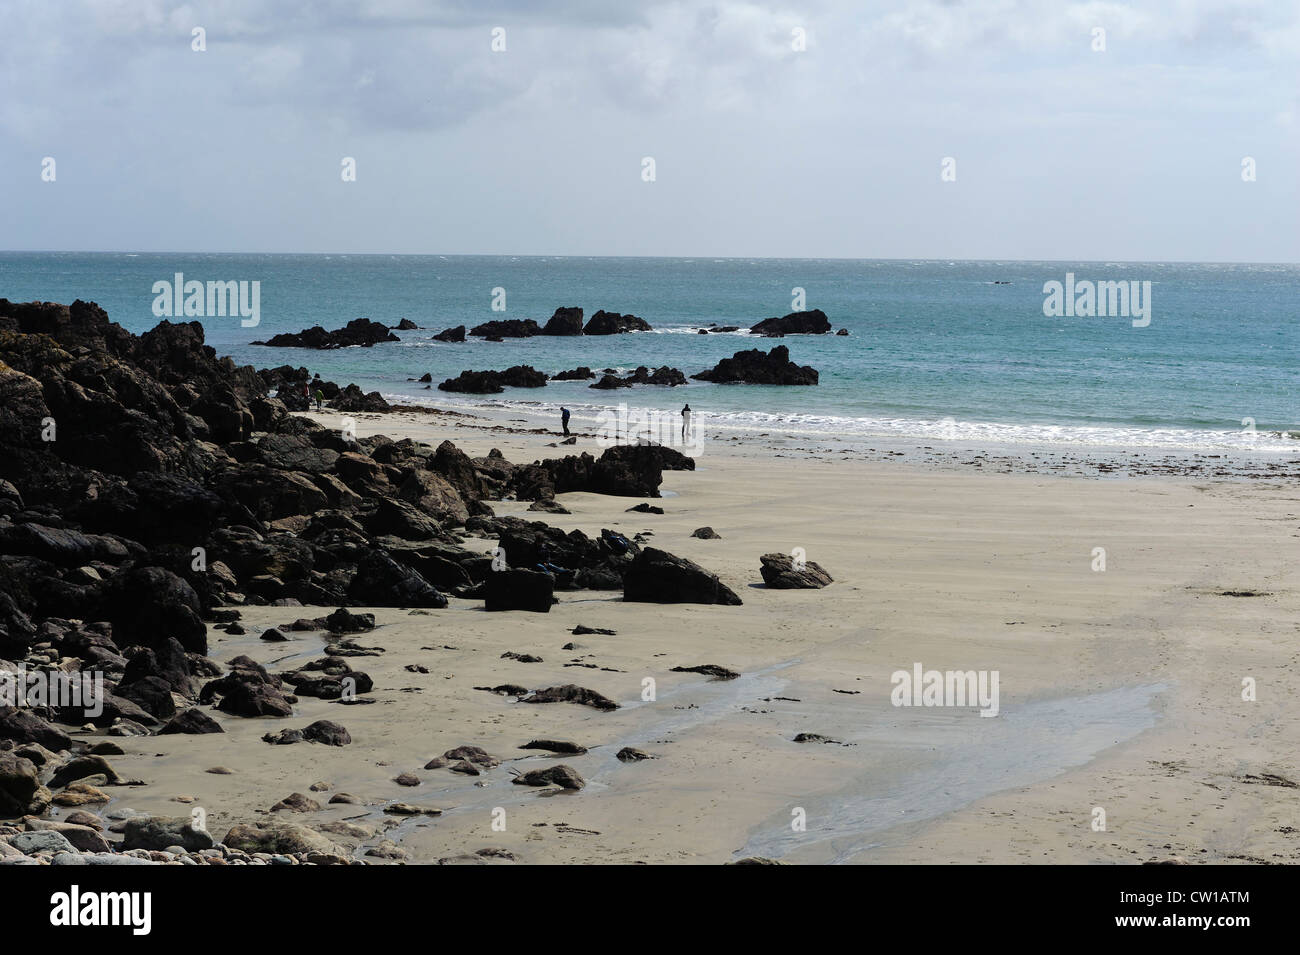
(1118, 689)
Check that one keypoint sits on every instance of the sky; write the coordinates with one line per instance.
(817, 129)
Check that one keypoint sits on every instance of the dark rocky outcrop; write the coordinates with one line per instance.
(643, 376)
(758, 368)
(474, 383)
(813, 322)
(519, 589)
(456, 334)
(494, 382)
(565, 321)
(612, 323)
(581, 373)
(610, 382)
(506, 328)
(359, 331)
(655, 576)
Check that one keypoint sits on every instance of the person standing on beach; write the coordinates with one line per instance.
(686, 421)
(320, 397)
(564, 420)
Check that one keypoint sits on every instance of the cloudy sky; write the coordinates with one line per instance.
(1061, 151)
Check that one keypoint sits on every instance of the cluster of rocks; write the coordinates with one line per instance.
(494, 382)
(755, 367)
(567, 321)
(642, 376)
(358, 332)
(148, 488)
(85, 839)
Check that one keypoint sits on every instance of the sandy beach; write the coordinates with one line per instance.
(1120, 690)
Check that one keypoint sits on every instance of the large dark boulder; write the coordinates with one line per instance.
(152, 695)
(166, 662)
(494, 382)
(247, 690)
(565, 321)
(508, 328)
(270, 493)
(21, 792)
(581, 373)
(474, 383)
(612, 323)
(523, 376)
(456, 334)
(148, 605)
(61, 546)
(519, 589)
(352, 398)
(755, 367)
(359, 331)
(192, 722)
(812, 322)
(21, 725)
(381, 581)
(610, 382)
(655, 576)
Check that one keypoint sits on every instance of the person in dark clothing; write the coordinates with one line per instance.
(686, 421)
(564, 420)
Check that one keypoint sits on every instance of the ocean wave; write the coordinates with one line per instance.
(944, 430)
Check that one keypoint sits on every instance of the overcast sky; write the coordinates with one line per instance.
(1062, 151)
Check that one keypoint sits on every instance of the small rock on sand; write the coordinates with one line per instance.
(566, 777)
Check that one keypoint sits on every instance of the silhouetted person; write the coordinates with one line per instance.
(564, 420)
(686, 421)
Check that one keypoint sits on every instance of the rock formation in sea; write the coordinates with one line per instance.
(494, 382)
(642, 376)
(359, 331)
(565, 321)
(456, 334)
(612, 323)
(506, 328)
(757, 367)
(813, 322)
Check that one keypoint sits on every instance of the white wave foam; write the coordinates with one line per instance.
(942, 431)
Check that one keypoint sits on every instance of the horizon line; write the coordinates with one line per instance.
(727, 258)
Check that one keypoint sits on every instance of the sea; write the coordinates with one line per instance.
(935, 350)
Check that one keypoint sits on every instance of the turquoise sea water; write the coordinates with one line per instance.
(934, 347)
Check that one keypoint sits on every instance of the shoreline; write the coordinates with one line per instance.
(1243, 463)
